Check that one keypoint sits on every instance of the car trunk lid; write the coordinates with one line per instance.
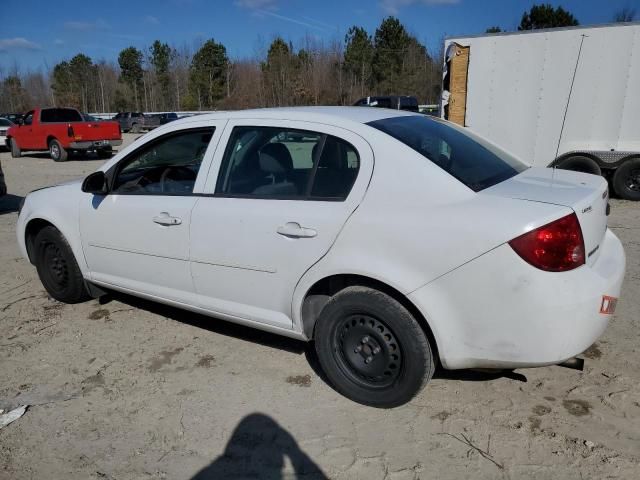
(586, 195)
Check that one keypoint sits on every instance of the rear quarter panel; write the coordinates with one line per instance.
(416, 223)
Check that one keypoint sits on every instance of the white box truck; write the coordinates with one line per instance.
(564, 97)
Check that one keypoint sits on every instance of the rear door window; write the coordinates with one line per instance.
(275, 163)
(472, 160)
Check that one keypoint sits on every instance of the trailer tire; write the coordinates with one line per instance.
(626, 179)
(580, 163)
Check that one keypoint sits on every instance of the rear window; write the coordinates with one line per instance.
(50, 115)
(473, 161)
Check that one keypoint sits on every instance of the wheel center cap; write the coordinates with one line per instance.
(368, 348)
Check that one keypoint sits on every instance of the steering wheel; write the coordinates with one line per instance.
(175, 174)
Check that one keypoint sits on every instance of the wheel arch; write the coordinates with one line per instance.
(32, 228)
(609, 166)
(67, 230)
(577, 154)
(50, 138)
(316, 297)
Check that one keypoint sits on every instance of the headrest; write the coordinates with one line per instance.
(275, 158)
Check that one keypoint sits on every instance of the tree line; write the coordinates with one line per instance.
(165, 78)
(162, 77)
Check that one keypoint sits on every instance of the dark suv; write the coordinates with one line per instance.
(136, 122)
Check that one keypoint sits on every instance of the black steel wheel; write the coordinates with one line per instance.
(626, 179)
(372, 349)
(57, 267)
(368, 351)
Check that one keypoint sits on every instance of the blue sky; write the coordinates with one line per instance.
(35, 33)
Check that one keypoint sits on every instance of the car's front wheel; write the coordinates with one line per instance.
(15, 149)
(372, 349)
(57, 267)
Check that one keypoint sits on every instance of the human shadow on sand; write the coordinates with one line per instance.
(9, 203)
(257, 449)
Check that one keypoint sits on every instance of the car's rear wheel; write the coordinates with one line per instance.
(626, 179)
(15, 149)
(57, 152)
(135, 128)
(372, 349)
(57, 267)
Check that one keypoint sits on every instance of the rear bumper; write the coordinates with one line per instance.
(95, 144)
(499, 312)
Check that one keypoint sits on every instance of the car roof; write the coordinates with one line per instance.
(331, 115)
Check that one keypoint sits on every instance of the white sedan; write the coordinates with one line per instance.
(393, 240)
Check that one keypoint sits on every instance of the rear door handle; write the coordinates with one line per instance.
(294, 230)
(165, 219)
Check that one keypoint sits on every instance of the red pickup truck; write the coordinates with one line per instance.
(62, 130)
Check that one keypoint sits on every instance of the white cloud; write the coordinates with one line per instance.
(83, 26)
(393, 6)
(17, 43)
(256, 4)
(58, 41)
(152, 20)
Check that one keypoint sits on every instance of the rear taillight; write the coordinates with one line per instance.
(70, 131)
(555, 247)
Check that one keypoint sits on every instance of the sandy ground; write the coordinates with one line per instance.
(126, 389)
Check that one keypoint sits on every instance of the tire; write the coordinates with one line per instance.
(57, 152)
(372, 349)
(105, 153)
(15, 149)
(626, 180)
(135, 128)
(57, 267)
(580, 164)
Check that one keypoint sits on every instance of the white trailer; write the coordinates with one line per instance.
(565, 97)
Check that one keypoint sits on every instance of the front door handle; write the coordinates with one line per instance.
(294, 230)
(165, 219)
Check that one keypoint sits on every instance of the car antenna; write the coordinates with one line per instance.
(566, 108)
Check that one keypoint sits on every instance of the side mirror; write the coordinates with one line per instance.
(96, 183)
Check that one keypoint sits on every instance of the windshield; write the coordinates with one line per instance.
(470, 159)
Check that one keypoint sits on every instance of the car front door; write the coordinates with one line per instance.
(282, 194)
(137, 236)
(24, 134)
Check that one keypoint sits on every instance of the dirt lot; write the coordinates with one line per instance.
(126, 389)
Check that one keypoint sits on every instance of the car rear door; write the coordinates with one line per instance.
(137, 236)
(276, 199)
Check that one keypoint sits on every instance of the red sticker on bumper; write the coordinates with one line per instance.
(608, 305)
